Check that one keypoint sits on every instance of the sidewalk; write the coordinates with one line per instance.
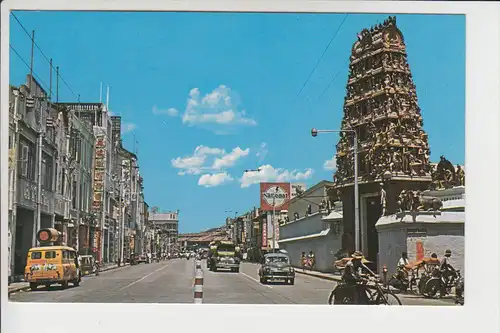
(18, 286)
(336, 278)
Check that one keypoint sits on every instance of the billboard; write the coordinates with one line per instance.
(274, 195)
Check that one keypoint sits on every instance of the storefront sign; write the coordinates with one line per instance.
(264, 234)
(274, 196)
(99, 172)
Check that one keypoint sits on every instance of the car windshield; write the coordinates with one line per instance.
(270, 260)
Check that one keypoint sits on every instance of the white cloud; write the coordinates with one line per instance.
(170, 112)
(330, 164)
(193, 164)
(128, 127)
(268, 173)
(207, 159)
(262, 152)
(230, 159)
(217, 108)
(216, 179)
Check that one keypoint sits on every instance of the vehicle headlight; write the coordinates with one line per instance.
(291, 269)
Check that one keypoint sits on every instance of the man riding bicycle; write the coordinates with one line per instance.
(447, 272)
(355, 279)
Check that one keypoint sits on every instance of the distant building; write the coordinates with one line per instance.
(167, 224)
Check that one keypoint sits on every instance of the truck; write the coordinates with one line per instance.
(224, 255)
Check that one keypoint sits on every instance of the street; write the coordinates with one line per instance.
(172, 282)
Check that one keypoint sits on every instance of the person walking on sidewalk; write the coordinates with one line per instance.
(311, 260)
(303, 260)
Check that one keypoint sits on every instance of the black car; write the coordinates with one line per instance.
(276, 266)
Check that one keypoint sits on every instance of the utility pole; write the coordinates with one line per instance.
(50, 88)
(122, 222)
(32, 60)
(274, 215)
(12, 226)
(57, 84)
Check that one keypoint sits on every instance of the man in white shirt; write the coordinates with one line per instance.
(403, 261)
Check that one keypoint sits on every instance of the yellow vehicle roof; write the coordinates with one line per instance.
(49, 248)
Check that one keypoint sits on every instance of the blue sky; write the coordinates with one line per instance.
(208, 95)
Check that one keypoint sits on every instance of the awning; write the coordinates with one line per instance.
(323, 233)
(333, 216)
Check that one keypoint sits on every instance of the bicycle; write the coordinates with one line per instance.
(376, 293)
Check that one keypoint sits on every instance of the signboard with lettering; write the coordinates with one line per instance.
(99, 172)
(264, 235)
(274, 196)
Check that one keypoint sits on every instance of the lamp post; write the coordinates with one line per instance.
(314, 133)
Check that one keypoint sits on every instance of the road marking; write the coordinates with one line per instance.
(248, 276)
(142, 278)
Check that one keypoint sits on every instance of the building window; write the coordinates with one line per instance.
(73, 193)
(27, 159)
(47, 170)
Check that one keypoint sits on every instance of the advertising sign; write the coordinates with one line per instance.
(99, 172)
(264, 235)
(274, 195)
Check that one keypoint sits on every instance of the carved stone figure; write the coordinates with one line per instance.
(383, 199)
(460, 176)
(308, 210)
(429, 203)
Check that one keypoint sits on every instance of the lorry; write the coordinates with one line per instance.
(224, 255)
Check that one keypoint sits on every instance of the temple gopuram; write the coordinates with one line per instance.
(381, 105)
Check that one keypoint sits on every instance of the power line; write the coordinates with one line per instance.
(332, 80)
(323, 54)
(37, 77)
(46, 58)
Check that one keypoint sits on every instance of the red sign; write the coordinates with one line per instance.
(274, 196)
(420, 250)
(264, 235)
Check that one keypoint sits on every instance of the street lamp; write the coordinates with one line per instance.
(314, 133)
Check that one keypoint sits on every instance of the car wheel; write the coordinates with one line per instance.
(264, 280)
(64, 284)
(292, 281)
(33, 286)
(237, 270)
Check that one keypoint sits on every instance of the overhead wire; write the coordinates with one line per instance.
(44, 55)
(322, 55)
(37, 77)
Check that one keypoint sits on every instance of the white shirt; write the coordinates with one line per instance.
(402, 262)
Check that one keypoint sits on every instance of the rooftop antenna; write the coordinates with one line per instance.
(100, 94)
(107, 98)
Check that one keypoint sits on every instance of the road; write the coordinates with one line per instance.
(172, 282)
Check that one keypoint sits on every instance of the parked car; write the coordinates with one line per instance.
(141, 259)
(276, 266)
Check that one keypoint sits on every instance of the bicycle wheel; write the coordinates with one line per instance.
(431, 288)
(331, 297)
(387, 298)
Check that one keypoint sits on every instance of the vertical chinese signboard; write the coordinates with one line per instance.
(99, 172)
(264, 235)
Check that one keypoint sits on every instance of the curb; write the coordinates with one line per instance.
(324, 277)
(24, 288)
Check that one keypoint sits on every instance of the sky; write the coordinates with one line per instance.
(205, 96)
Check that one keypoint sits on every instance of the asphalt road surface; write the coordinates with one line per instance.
(172, 282)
